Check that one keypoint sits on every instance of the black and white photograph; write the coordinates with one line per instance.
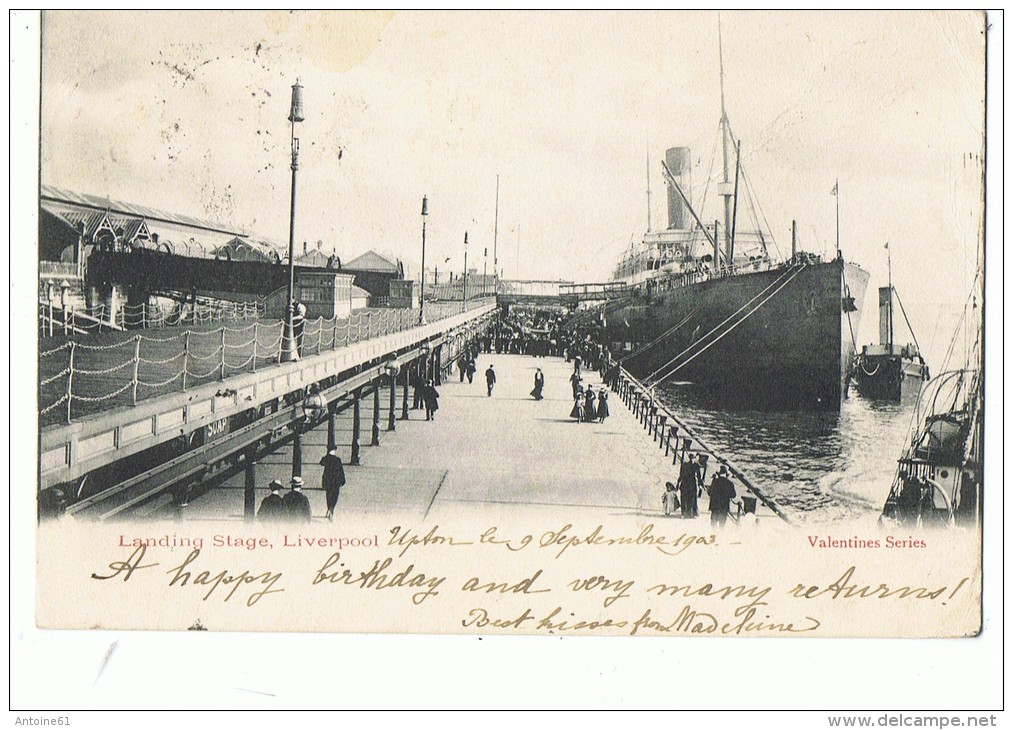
(656, 324)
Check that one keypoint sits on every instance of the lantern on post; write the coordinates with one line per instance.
(289, 348)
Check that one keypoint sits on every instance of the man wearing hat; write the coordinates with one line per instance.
(333, 479)
(272, 509)
(297, 504)
(490, 379)
(722, 494)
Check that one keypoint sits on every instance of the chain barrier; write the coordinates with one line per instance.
(55, 350)
(341, 332)
(108, 396)
(53, 379)
(177, 376)
(47, 409)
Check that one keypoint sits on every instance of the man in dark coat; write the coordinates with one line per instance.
(272, 509)
(689, 485)
(333, 479)
(722, 494)
(417, 385)
(297, 504)
(490, 379)
(431, 398)
(471, 369)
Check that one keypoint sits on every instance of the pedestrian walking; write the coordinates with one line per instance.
(462, 367)
(575, 384)
(689, 486)
(333, 479)
(417, 386)
(297, 504)
(578, 406)
(490, 379)
(431, 399)
(273, 509)
(603, 405)
(472, 369)
(670, 500)
(539, 384)
(722, 495)
(590, 410)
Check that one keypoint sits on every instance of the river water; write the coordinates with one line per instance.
(819, 467)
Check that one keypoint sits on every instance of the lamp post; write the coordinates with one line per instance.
(422, 279)
(464, 290)
(289, 351)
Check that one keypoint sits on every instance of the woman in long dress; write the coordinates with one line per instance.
(578, 407)
(603, 405)
(590, 411)
(539, 384)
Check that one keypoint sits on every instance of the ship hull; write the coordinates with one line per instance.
(782, 338)
(889, 377)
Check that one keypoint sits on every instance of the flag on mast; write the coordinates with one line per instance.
(834, 191)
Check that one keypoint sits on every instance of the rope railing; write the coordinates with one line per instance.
(55, 319)
(80, 378)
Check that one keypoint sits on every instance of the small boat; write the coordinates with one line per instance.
(886, 371)
(939, 476)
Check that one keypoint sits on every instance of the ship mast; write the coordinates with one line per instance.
(726, 188)
(648, 187)
(889, 281)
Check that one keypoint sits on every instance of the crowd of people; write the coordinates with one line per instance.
(587, 408)
(682, 498)
(537, 334)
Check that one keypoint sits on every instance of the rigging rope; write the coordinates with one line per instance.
(730, 329)
(907, 321)
(720, 324)
(663, 335)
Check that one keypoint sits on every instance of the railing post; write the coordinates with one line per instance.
(281, 340)
(137, 363)
(256, 341)
(356, 424)
(320, 333)
(70, 378)
(393, 400)
(375, 441)
(222, 365)
(64, 309)
(186, 355)
(334, 339)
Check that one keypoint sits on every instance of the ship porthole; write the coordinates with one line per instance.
(944, 474)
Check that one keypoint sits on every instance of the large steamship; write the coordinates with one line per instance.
(711, 305)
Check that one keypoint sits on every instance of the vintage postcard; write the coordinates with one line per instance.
(642, 324)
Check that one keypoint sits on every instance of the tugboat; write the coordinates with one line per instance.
(885, 371)
(939, 477)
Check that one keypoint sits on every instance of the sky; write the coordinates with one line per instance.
(187, 112)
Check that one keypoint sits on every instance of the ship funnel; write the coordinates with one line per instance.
(885, 305)
(678, 161)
